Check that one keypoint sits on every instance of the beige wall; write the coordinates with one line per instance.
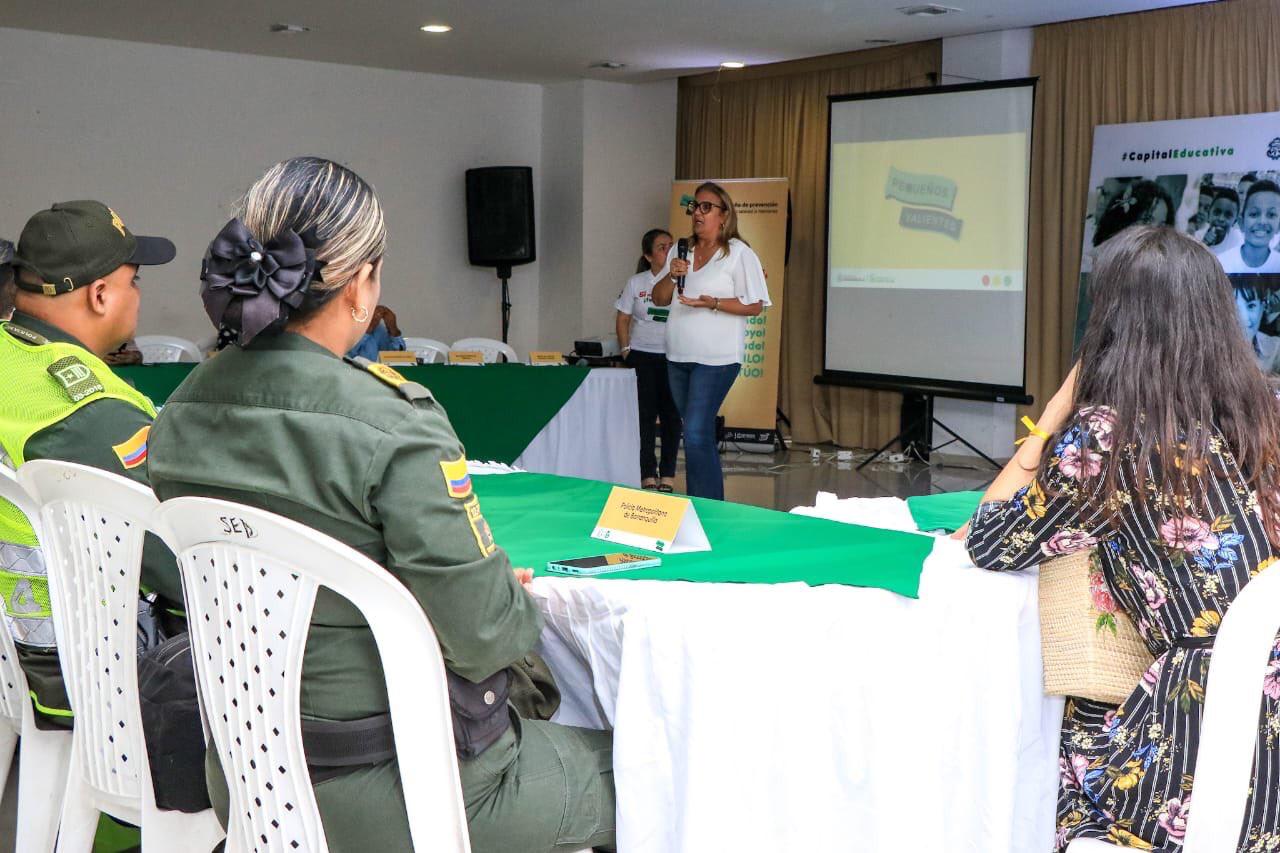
(171, 136)
(609, 154)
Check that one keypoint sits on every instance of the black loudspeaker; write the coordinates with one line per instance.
(500, 216)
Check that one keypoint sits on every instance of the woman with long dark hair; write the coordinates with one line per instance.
(642, 335)
(724, 284)
(1164, 455)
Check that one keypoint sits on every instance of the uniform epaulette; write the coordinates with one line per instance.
(411, 391)
(25, 335)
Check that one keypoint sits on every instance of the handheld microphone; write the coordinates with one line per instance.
(682, 252)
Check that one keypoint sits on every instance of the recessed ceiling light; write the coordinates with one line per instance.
(733, 66)
(437, 28)
(929, 11)
(289, 29)
(881, 41)
(609, 65)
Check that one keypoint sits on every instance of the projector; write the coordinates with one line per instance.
(604, 346)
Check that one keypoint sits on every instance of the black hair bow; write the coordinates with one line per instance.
(250, 288)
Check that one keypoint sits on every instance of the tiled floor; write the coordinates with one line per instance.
(785, 479)
(778, 480)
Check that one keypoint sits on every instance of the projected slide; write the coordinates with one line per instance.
(927, 238)
(931, 214)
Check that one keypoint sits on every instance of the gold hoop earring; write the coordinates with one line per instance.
(363, 317)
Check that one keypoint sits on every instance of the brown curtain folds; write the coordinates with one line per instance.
(1189, 62)
(770, 122)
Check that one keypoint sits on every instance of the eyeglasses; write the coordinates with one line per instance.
(702, 207)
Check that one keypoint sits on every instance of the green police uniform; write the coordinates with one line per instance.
(62, 402)
(361, 455)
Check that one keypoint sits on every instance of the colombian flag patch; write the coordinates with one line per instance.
(456, 478)
(133, 452)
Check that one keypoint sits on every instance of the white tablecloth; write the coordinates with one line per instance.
(595, 435)
(790, 718)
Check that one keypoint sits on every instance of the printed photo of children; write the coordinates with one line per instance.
(1235, 214)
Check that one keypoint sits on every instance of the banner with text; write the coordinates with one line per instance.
(750, 410)
(1217, 179)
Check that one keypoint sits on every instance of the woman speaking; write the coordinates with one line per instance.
(723, 285)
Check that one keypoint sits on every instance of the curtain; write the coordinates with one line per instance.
(1188, 62)
(769, 122)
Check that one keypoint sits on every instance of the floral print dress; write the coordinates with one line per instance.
(1127, 773)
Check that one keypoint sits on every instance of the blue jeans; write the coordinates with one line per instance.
(699, 390)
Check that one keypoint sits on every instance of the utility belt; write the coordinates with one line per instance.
(480, 716)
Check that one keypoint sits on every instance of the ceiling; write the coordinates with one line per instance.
(542, 40)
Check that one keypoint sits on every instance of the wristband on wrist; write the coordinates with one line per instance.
(1032, 430)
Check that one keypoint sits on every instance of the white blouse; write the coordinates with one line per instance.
(709, 337)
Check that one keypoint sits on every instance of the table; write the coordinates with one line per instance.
(796, 718)
(573, 421)
(538, 518)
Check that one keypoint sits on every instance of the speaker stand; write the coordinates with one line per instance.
(504, 273)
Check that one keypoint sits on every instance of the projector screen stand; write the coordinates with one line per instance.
(917, 433)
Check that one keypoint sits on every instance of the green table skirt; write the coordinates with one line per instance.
(540, 517)
(496, 409)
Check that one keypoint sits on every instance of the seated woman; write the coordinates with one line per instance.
(1165, 456)
(280, 421)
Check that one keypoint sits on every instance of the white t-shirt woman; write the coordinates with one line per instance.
(704, 336)
(648, 321)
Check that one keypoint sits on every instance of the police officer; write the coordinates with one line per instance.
(76, 300)
(280, 421)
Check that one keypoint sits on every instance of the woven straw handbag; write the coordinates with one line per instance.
(1090, 646)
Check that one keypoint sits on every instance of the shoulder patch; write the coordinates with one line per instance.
(480, 527)
(133, 451)
(457, 480)
(411, 391)
(75, 378)
(24, 334)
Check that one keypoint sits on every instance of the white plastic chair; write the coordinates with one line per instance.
(42, 772)
(250, 580)
(427, 350)
(94, 524)
(491, 349)
(164, 349)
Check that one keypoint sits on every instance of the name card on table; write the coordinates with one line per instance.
(537, 357)
(651, 520)
(397, 357)
(462, 356)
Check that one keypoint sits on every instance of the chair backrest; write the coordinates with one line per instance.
(94, 525)
(13, 683)
(161, 349)
(250, 579)
(1229, 727)
(491, 349)
(427, 350)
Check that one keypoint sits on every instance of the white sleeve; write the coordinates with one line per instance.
(748, 278)
(626, 299)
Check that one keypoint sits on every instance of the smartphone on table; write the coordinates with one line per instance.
(602, 564)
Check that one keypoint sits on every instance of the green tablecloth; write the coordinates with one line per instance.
(496, 409)
(540, 517)
(948, 511)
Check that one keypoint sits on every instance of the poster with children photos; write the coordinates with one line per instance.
(1216, 179)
